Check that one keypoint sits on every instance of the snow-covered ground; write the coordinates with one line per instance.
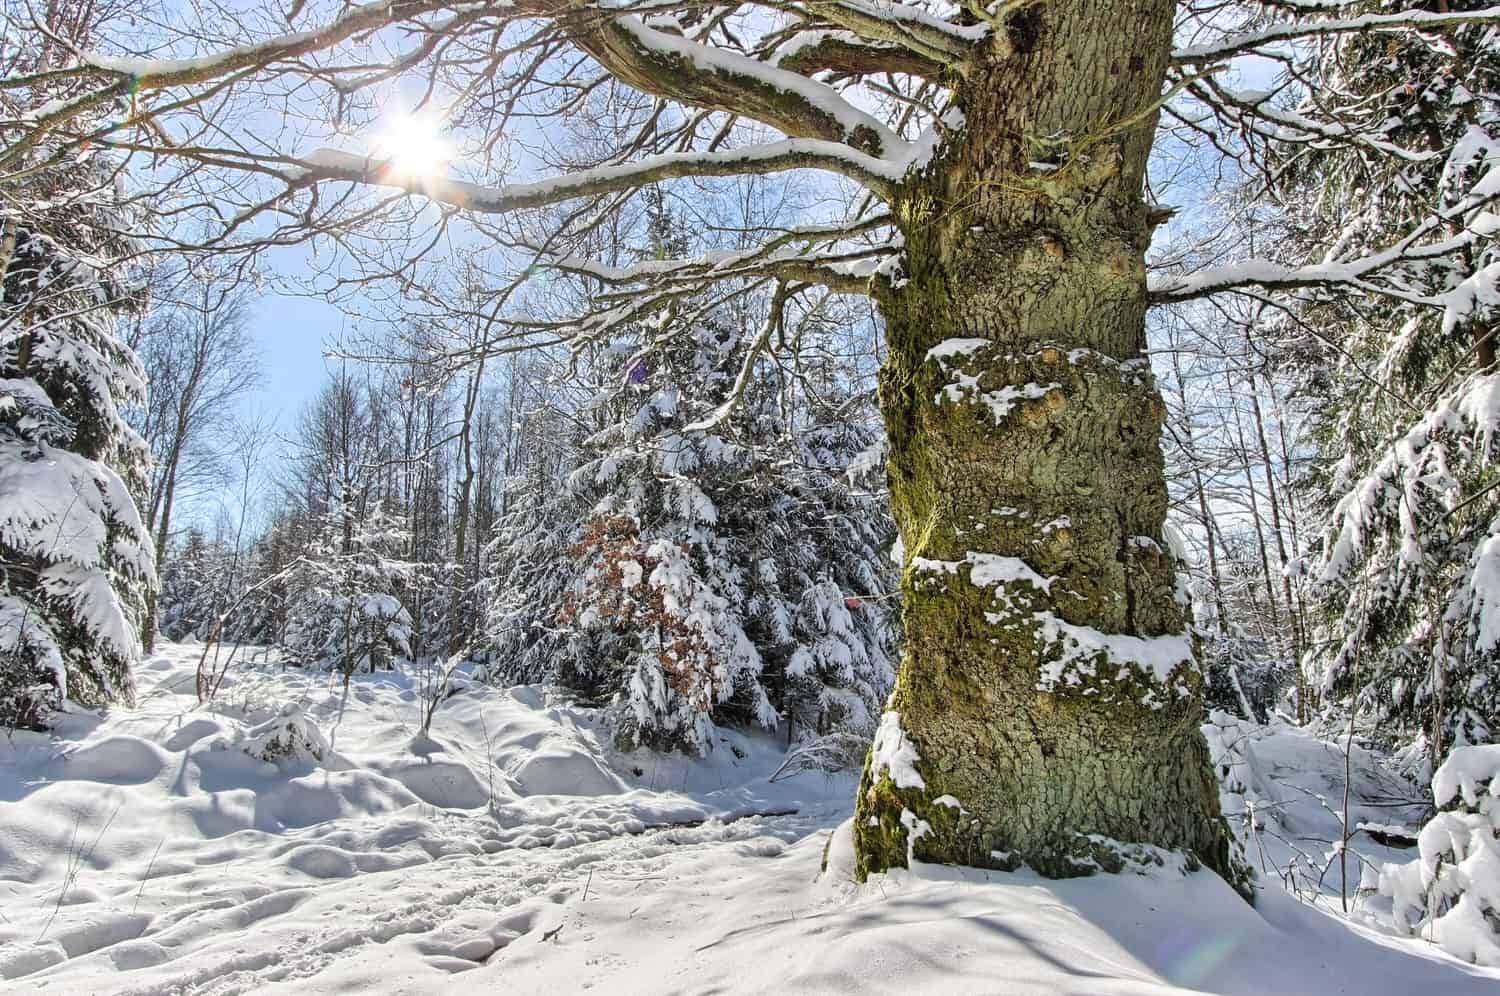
(513, 850)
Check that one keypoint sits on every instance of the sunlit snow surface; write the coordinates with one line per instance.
(514, 852)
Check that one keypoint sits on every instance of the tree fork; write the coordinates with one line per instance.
(1048, 704)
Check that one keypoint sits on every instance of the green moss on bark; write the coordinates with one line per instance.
(1043, 447)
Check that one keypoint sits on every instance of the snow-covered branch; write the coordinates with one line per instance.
(846, 54)
(1257, 114)
(680, 69)
(1379, 273)
(1250, 41)
(325, 165)
(915, 30)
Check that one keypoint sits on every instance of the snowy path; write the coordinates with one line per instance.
(151, 845)
(512, 851)
(369, 930)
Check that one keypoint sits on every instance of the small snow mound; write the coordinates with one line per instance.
(118, 760)
(528, 695)
(760, 847)
(288, 736)
(190, 733)
(838, 855)
(132, 955)
(322, 861)
(101, 930)
(445, 784)
(560, 768)
(17, 960)
(472, 936)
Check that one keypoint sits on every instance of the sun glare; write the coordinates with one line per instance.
(414, 146)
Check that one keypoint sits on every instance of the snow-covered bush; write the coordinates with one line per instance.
(1451, 893)
(647, 602)
(289, 736)
(347, 630)
(1240, 672)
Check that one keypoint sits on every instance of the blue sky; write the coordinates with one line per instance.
(292, 333)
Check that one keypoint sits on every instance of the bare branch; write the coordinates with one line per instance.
(1249, 41)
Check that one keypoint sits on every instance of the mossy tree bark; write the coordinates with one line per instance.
(1048, 690)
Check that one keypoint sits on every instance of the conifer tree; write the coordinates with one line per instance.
(706, 563)
(346, 609)
(1404, 424)
(75, 560)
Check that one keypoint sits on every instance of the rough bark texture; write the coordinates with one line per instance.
(1027, 476)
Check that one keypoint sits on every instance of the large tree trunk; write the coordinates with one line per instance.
(1048, 698)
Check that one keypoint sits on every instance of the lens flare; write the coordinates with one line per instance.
(414, 147)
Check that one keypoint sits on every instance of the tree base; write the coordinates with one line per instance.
(895, 826)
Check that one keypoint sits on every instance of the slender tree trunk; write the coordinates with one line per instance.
(1292, 515)
(1190, 450)
(160, 522)
(1243, 452)
(1294, 621)
(1205, 517)
(9, 232)
(1049, 685)
(457, 632)
(8, 238)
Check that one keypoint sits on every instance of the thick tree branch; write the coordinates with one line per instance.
(674, 67)
(327, 165)
(907, 27)
(846, 55)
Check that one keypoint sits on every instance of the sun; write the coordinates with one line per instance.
(414, 146)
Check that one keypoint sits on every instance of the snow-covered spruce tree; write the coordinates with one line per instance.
(192, 588)
(1402, 136)
(839, 673)
(335, 568)
(345, 609)
(75, 560)
(203, 592)
(527, 586)
(705, 564)
(1049, 683)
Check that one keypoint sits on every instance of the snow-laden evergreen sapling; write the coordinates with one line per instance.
(831, 678)
(1450, 894)
(345, 610)
(75, 560)
(194, 588)
(700, 574)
